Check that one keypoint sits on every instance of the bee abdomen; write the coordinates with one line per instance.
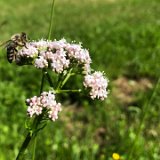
(10, 54)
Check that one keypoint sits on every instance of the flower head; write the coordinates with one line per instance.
(97, 84)
(34, 106)
(59, 61)
(41, 44)
(28, 51)
(40, 62)
(75, 51)
(53, 112)
(57, 55)
(45, 100)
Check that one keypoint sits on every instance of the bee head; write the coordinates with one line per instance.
(24, 35)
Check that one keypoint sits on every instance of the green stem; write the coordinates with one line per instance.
(51, 20)
(24, 146)
(39, 118)
(35, 138)
(34, 125)
(66, 78)
(26, 141)
(140, 128)
(66, 91)
(63, 82)
(42, 81)
(49, 79)
(34, 148)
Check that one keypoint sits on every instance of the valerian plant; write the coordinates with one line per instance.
(65, 60)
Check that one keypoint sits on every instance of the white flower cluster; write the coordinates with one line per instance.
(55, 54)
(98, 84)
(59, 56)
(45, 101)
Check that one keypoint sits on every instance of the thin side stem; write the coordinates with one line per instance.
(49, 79)
(66, 78)
(63, 82)
(51, 21)
(140, 128)
(66, 91)
(42, 81)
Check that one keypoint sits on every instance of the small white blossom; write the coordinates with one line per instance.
(34, 106)
(78, 53)
(40, 62)
(41, 44)
(98, 85)
(34, 110)
(59, 61)
(46, 100)
(46, 54)
(83, 56)
(28, 51)
(73, 49)
(53, 112)
(58, 45)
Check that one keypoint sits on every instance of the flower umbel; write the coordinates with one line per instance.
(46, 101)
(97, 84)
(60, 57)
(40, 62)
(56, 55)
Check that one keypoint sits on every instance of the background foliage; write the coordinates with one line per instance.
(123, 37)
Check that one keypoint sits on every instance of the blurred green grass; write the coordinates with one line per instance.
(123, 38)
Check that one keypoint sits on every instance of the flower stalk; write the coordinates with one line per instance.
(33, 132)
(30, 135)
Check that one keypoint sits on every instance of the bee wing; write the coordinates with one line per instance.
(4, 43)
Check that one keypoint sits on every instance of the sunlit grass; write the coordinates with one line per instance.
(123, 38)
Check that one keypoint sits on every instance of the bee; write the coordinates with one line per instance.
(17, 40)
